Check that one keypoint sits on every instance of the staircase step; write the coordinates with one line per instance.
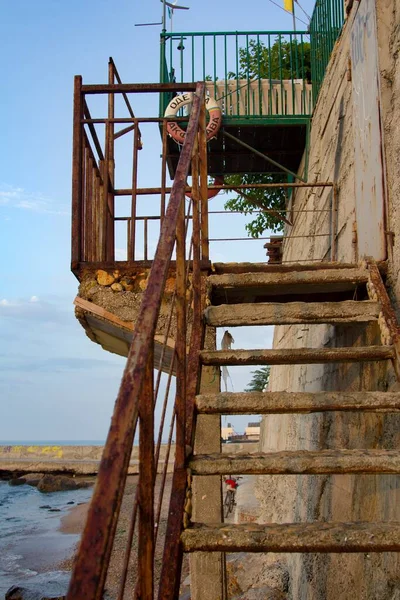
(249, 267)
(314, 462)
(278, 313)
(263, 403)
(274, 280)
(283, 283)
(293, 537)
(292, 356)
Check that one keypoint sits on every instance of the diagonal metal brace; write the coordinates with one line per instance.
(264, 156)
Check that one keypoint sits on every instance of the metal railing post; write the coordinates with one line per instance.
(77, 172)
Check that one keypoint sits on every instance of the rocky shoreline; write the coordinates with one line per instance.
(249, 576)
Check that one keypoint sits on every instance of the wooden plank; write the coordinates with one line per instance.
(294, 537)
(296, 356)
(279, 313)
(298, 462)
(245, 403)
(105, 314)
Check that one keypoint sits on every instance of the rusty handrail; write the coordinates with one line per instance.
(90, 570)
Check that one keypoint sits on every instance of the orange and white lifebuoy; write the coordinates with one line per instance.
(210, 193)
(176, 132)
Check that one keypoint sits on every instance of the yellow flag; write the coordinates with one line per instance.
(288, 5)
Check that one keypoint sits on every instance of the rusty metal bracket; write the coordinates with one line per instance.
(388, 324)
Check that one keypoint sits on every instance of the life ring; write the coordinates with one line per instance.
(210, 193)
(176, 132)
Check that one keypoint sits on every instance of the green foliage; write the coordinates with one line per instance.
(259, 380)
(283, 60)
(251, 200)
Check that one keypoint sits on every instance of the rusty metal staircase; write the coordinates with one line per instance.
(299, 285)
(240, 295)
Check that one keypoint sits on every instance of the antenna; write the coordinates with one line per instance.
(172, 7)
(164, 15)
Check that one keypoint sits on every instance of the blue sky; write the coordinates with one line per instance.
(54, 382)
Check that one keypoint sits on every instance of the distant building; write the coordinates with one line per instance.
(252, 431)
(227, 432)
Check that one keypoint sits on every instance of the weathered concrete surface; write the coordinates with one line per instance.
(294, 537)
(256, 577)
(292, 356)
(277, 313)
(345, 497)
(244, 403)
(278, 283)
(288, 278)
(207, 571)
(298, 462)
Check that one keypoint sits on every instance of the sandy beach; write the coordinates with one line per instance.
(73, 523)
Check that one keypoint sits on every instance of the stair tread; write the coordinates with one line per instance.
(293, 537)
(296, 355)
(297, 462)
(279, 281)
(288, 277)
(294, 402)
(249, 267)
(278, 313)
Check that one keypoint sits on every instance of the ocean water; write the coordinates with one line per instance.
(30, 542)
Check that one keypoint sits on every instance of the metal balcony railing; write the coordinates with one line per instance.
(267, 75)
(261, 74)
(326, 24)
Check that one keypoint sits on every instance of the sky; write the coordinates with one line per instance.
(54, 382)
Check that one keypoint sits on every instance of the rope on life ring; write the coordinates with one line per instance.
(210, 193)
(176, 132)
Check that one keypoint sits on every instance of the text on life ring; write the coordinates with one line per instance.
(214, 111)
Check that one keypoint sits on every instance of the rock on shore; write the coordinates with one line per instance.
(60, 483)
(50, 483)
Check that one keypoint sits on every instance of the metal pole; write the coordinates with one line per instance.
(294, 21)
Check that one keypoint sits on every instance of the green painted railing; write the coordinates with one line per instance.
(264, 75)
(326, 24)
(252, 74)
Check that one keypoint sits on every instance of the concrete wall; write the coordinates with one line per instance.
(80, 459)
(339, 498)
(73, 459)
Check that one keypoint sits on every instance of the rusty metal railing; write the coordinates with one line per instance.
(96, 197)
(137, 398)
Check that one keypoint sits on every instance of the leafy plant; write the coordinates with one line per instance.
(283, 60)
(259, 380)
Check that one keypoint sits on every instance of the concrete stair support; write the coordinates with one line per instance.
(298, 462)
(257, 403)
(278, 313)
(293, 537)
(247, 267)
(275, 282)
(296, 356)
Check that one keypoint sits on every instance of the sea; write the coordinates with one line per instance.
(30, 541)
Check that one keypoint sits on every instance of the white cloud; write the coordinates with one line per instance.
(33, 310)
(19, 198)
